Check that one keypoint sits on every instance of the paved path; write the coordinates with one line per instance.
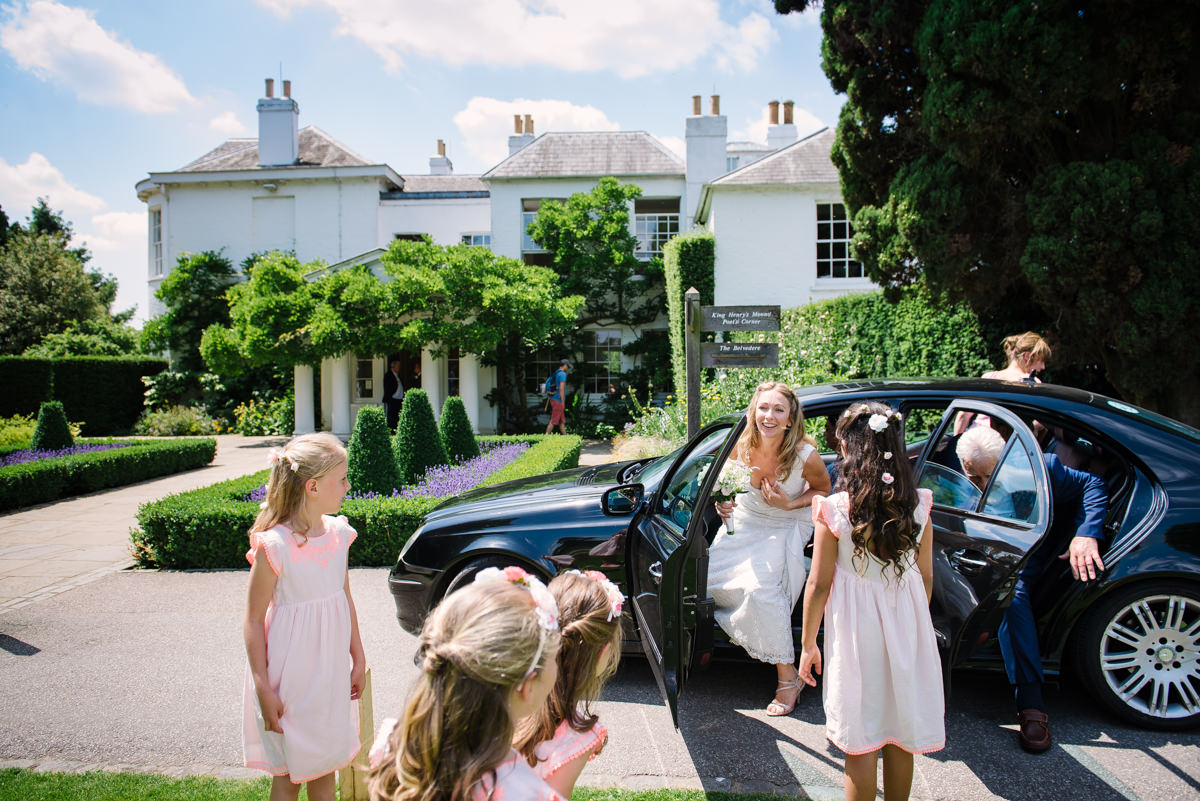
(55, 547)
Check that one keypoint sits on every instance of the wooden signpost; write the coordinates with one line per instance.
(723, 354)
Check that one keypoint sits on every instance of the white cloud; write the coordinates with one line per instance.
(117, 239)
(486, 123)
(22, 184)
(810, 18)
(68, 47)
(227, 123)
(675, 144)
(629, 37)
(755, 129)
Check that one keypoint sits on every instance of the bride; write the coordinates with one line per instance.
(756, 570)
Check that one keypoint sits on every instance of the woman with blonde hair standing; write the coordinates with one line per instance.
(756, 565)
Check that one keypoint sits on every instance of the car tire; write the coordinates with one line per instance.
(466, 573)
(1138, 651)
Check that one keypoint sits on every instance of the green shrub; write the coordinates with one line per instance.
(259, 418)
(52, 431)
(372, 465)
(16, 432)
(417, 444)
(49, 479)
(175, 421)
(207, 528)
(689, 261)
(455, 431)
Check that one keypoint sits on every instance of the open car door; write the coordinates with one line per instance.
(666, 564)
(982, 536)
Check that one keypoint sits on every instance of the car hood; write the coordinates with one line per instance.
(565, 485)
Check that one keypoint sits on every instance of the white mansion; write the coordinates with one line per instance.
(775, 209)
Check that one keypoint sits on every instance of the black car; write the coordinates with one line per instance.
(1133, 635)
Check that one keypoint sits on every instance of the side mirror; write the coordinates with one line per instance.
(622, 500)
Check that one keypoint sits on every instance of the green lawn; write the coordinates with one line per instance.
(22, 785)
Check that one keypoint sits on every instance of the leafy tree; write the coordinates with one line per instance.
(1037, 159)
(371, 466)
(193, 296)
(92, 337)
(43, 288)
(417, 444)
(594, 254)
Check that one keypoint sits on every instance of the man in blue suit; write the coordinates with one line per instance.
(1080, 503)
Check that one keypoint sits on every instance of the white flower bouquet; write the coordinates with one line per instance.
(733, 480)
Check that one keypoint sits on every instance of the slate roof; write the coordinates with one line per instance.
(805, 161)
(317, 149)
(440, 183)
(554, 155)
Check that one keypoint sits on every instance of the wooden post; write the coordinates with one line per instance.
(691, 302)
(352, 779)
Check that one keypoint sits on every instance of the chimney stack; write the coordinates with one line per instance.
(780, 135)
(278, 128)
(439, 164)
(705, 139)
(522, 133)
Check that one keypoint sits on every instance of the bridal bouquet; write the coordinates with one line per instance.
(733, 480)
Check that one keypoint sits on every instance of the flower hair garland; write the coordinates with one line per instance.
(887, 477)
(615, 599)
(544, 605)
(275, 456)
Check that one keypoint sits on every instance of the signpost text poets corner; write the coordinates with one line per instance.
(699, 354)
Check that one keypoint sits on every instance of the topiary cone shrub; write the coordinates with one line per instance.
(455, 430)
(417, 444)
(52, 432)
(371, 466)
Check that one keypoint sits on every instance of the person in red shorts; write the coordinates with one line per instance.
(558, 399)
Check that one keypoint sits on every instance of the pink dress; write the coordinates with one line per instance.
(567, 745)
(308, 657)
(882, 671)
(514, 781)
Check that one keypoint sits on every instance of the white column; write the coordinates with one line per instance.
(340, 400)
(326, 421)
(303, 388)
(433, 380)
(468, 386)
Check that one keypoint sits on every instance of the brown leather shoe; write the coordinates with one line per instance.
(1034, 733)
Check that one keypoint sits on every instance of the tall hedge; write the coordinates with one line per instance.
(103, 392)
(455, 431)
(417, 444)
(371, 465)
(689, 261)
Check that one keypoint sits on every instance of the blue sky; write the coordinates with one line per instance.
(95, 95)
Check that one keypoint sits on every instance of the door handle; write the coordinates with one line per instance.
(968, 560)
(656, 572)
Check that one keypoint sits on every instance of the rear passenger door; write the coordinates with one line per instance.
(981, 537)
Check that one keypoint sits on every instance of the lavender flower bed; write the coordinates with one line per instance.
(30, 455)
(444, 481)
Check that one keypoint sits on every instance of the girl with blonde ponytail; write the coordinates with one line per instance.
(488, 657)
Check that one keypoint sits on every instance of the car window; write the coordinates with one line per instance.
(949, 487)
(1013, 492)
(682, 491)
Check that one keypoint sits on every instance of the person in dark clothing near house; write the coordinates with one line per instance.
(1079, 503)
(393, 393)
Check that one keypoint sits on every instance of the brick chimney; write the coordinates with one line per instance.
(522, 133)
(278, 127)
(439, 164)
(780, 134)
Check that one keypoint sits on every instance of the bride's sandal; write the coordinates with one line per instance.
(777, 709)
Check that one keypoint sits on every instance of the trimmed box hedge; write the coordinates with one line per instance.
(64, 476)
(207, 528)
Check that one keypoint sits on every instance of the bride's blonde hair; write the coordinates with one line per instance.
(793, 440)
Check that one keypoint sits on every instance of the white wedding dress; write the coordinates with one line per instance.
(756, 574)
